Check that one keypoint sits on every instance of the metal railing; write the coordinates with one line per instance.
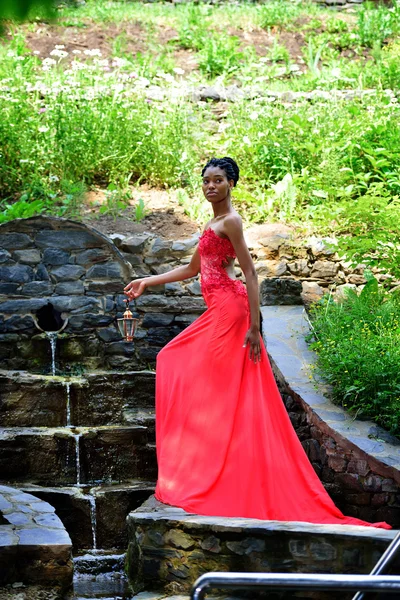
(384, 563)
(296, 581)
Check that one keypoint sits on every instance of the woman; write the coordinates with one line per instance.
(225, 443)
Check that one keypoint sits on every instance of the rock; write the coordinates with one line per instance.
(17, 323)
(37, 288)
(341, 290)
(22, 306)
(135, 244)
(356, 279)
(299, 267)
(207, 93)
(56, 257)
(105, 287)
(211, 544)
(28, 257)
(157, 320)
(90, 257)
(322, 551)
(108, 334)
(320, 247)
(120, 347)
(160, 247)
(42, 274)
(194, 288)
(73, 304)
(280, 291)
(175, 288)
(14, 241)
(69, 288)
(89, 320)
(9, 289)
(16, 274)
(358, 466)
(185, 245)
(109, 270)
(268, 238)
(270, 268)
(287, 96)
(67, 273)
(233, 93)
(323, 269)
(117, 238)
(246, 546)
(179, 539)
(66, 239)
(311, 292)
(4, 256)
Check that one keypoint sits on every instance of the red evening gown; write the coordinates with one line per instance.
(225, 443)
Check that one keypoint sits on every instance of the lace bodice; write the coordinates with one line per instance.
(214, 250)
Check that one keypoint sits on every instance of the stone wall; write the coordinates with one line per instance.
(360, 485)
(83, 273)
(169, 548)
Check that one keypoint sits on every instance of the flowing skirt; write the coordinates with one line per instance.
(225, 442)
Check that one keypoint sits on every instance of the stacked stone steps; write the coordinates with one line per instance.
(95, 511)
(64, 456)
(84, 444)
(94, 399)
(169, 548)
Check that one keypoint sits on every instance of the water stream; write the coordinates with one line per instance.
(92, 502)
(78, 459)
(67, 385)
(52, 335)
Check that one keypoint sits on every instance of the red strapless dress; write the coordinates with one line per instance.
(225, 443)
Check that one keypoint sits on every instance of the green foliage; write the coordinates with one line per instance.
(369, 230)
(358, 346)
(22, 9)
(220, 55)
(377, 23)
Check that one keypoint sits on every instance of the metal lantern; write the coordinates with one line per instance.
(127, 324)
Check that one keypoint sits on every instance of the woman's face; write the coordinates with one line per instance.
(216, 186)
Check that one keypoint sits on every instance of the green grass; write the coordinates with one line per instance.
(69, 125)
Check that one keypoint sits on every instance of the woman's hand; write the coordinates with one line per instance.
(135, 288)
(253, 338)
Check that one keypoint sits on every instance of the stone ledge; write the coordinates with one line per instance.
(360, 453)
(34, 546)
(169, 548)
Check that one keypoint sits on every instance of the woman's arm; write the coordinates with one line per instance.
(137, 286)
(234, 230)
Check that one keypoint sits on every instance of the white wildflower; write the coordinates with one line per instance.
(179, 71)
(93, 52)
(59, 53)
(254, 116)
(247, 140)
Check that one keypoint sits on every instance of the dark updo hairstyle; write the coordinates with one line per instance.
(226, 164)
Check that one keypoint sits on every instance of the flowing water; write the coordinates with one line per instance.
(52, 335)
(78, 459)
(67, 385)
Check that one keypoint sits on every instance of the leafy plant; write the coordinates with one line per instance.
(358, 346)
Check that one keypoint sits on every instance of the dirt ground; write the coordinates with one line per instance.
(114, 39)
(165, 216)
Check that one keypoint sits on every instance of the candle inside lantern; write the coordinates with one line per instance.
(127, 324)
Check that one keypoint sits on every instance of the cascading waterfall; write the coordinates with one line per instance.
(52, 335)
(78, 460)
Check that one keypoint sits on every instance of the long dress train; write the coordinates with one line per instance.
(225, 443)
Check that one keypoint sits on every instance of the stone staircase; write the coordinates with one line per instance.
(84, 444)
